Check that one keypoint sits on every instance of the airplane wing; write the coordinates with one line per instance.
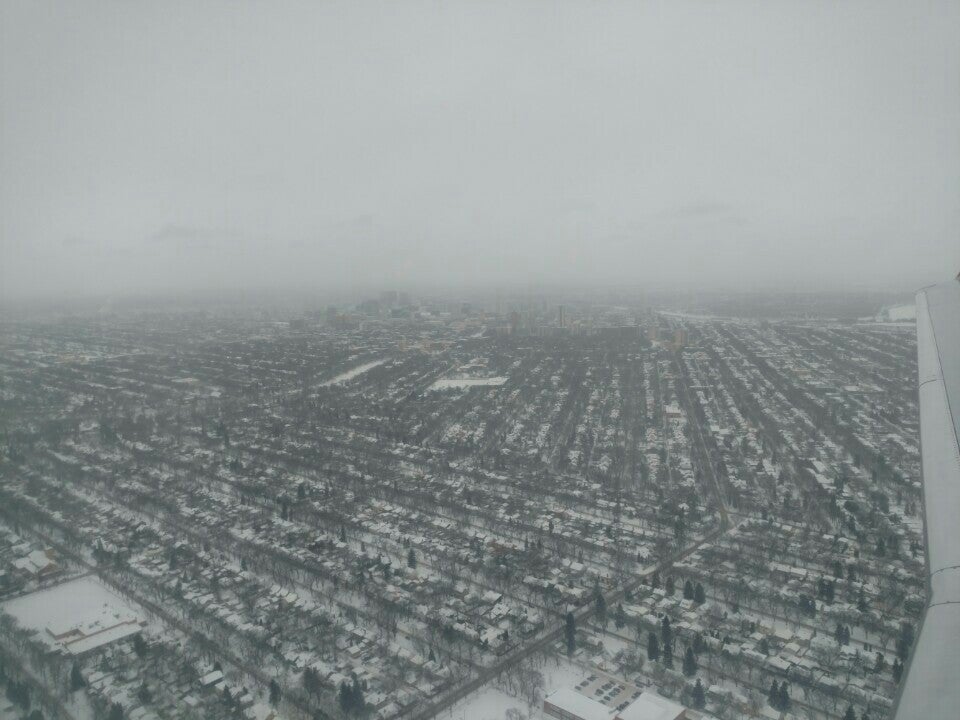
(931, 685)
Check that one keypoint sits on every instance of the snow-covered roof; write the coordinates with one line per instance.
(650, 706)
(578, 705)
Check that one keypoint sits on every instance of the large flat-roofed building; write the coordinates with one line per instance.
(95, 631)
(568, 704)
(650, 706)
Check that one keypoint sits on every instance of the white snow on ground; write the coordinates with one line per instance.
(488, 703)
(492, 703)
(465, 382)
(82, 602)
(351, 374)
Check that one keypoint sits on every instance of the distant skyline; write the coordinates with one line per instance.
(165, 148)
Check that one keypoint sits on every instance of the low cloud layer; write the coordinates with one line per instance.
(741, 144)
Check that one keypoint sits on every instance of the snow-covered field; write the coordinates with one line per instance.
(466, 382)
(488, 703)
(351, 374)
(81, 602)
(492, 702)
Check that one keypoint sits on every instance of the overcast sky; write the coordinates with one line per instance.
(167, 146)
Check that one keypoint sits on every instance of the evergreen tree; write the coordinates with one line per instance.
(571, 633)
(653, 647)
(666, 634)
(357, 701)
(849, 714)
(699, 594)
(670, 586)
(784, 696)
(139, 645)
(688, 590)
(311, 680)
(699, 697)
(343, 534)
(431, 657)
(345, 698)
(116, 712)
(680, 528)
(897, 671)
(904, 641)
(274, 692)
(655, 580)
(880, 663)
(842, 634)
(411, 559)
(689, 663)
(773, 696)
(601, 609)
(698, 644)
(76, 679)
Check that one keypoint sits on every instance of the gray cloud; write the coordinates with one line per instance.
(703, 209)
(188, 236)
(349, 143)
(184, 235)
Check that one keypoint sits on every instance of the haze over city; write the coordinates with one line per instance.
(486, 360)
(187, 146)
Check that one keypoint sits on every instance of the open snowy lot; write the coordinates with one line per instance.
(467, 382)
(352, 373)
(84, 604)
